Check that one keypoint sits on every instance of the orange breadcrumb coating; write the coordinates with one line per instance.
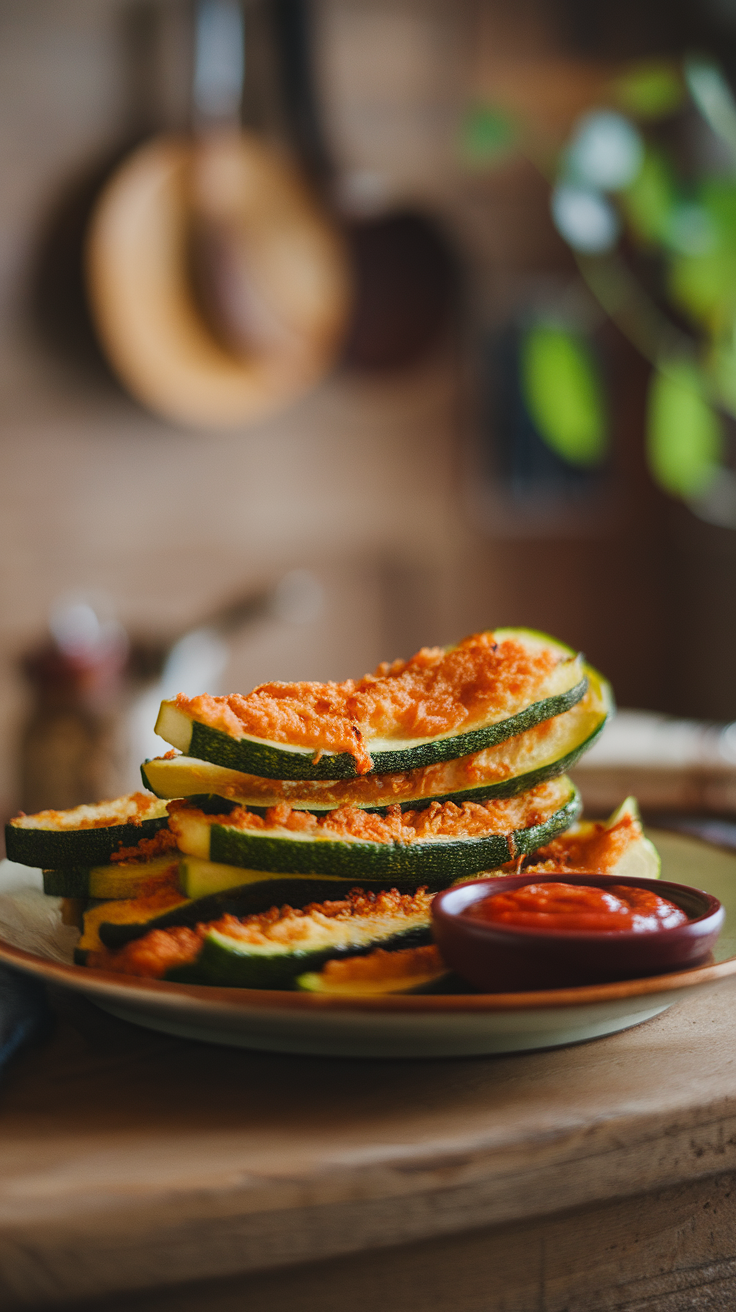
(404, 964)
(435, 692)
(153, 955)
(439, 820)
(491, 765)
(598, 850)
(161, 949)
(163, 841)
(133, 812)
(280, 923)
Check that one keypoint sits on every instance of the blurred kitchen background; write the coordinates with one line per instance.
(463, 356)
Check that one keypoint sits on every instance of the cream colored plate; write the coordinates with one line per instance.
(32, 939)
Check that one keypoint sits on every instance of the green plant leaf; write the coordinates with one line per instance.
(650, 90)
(722, 368)
(487, 136)
(713, 97)
(704, 283)
(563, 394)
(684, 436)
(648, 201)
(704, 286)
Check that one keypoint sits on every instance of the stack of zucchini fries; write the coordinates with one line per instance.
(259, 863)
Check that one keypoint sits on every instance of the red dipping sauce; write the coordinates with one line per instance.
(552, 905)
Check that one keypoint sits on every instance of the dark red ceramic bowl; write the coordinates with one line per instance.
(507, 959)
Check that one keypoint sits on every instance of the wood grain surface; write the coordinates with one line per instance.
(666, 1252)
(131, 1163)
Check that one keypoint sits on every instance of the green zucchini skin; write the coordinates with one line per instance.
(107, 882)
(54, 849)
(96, 913)
(431, 862)
(483, 792)
(271, 762)
(223, 963)
(184, 776)
(521, 783)
(73, 881)
(243, 900)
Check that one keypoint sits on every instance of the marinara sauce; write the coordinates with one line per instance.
(552, 905)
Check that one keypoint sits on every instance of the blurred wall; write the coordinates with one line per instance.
(368, 480)
(356, 481)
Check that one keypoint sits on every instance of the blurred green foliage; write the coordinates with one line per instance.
(487, 136)
(650, 90)
(648, 201)
(681, 218)
(563, 393)
(684, 438)
(703, 282)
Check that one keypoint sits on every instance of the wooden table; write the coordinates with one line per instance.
(143, 1172)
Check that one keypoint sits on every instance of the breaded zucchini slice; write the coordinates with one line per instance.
(513, 766)
(441, 704)
(433, 846)
(85, 835)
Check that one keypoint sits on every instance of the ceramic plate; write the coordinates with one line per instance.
(32, 939)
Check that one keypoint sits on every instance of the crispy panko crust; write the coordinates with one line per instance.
(435, 692)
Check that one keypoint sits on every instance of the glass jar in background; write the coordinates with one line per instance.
(97, 693)
(73, 747)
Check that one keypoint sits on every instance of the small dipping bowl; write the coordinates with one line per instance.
(500, 958)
